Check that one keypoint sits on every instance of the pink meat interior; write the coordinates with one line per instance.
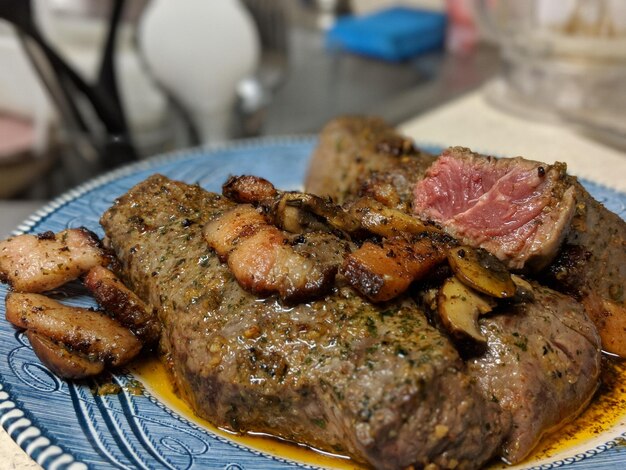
(482, 196)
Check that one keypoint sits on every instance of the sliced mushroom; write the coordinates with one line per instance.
(295, 219)
(60, 360)
(482, 271)
(523, 289)
(334, 215)
(385, 221)
(459, 308)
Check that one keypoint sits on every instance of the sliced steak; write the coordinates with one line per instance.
(519, 210)
(340, 374)
(534, 215)
(592, 267)
(542, 365)
(364, 155)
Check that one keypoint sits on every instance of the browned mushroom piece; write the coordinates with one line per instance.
(38, 263)
(337, 217)
(296, 219)
(459, 308)
(524, 290)
(385, 221)
(482, 271)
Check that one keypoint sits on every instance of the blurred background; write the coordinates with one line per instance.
(88, 86)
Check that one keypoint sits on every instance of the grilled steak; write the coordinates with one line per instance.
(365, 155)
(542, 365)
(517, 209)
(592, 267)
(376, 383)
(545, 221)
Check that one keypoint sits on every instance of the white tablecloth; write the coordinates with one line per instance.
(471, 122)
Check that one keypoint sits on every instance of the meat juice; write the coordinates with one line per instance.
(607, 409)
(154, 377)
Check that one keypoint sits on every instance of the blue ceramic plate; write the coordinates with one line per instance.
(66, 425)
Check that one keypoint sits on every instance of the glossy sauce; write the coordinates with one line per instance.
(154, 377)
(607, 409)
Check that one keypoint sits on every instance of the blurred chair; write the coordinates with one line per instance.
(271, 18)
(25, 119)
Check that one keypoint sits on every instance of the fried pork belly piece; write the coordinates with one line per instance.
(248, 189)
(383, 271)
(264, 260)
(61, 360)
(93, 334)
(123, 304)
(39, 263)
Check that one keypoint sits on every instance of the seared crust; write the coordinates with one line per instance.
(375, 383)
(122, 304)
(364, 155)
(592, 266)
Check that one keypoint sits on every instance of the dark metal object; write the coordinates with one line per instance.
(92, 114)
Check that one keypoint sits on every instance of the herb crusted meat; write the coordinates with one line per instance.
(541, 219)
(377, 383)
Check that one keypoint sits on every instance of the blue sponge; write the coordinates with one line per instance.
(393, 34)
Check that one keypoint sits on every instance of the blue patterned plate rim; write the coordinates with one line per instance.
(64, 425)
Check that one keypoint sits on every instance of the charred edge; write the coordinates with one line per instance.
(48, 235)
(91, 237)
(361, 279)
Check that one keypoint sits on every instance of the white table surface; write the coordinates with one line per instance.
(468, 121)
